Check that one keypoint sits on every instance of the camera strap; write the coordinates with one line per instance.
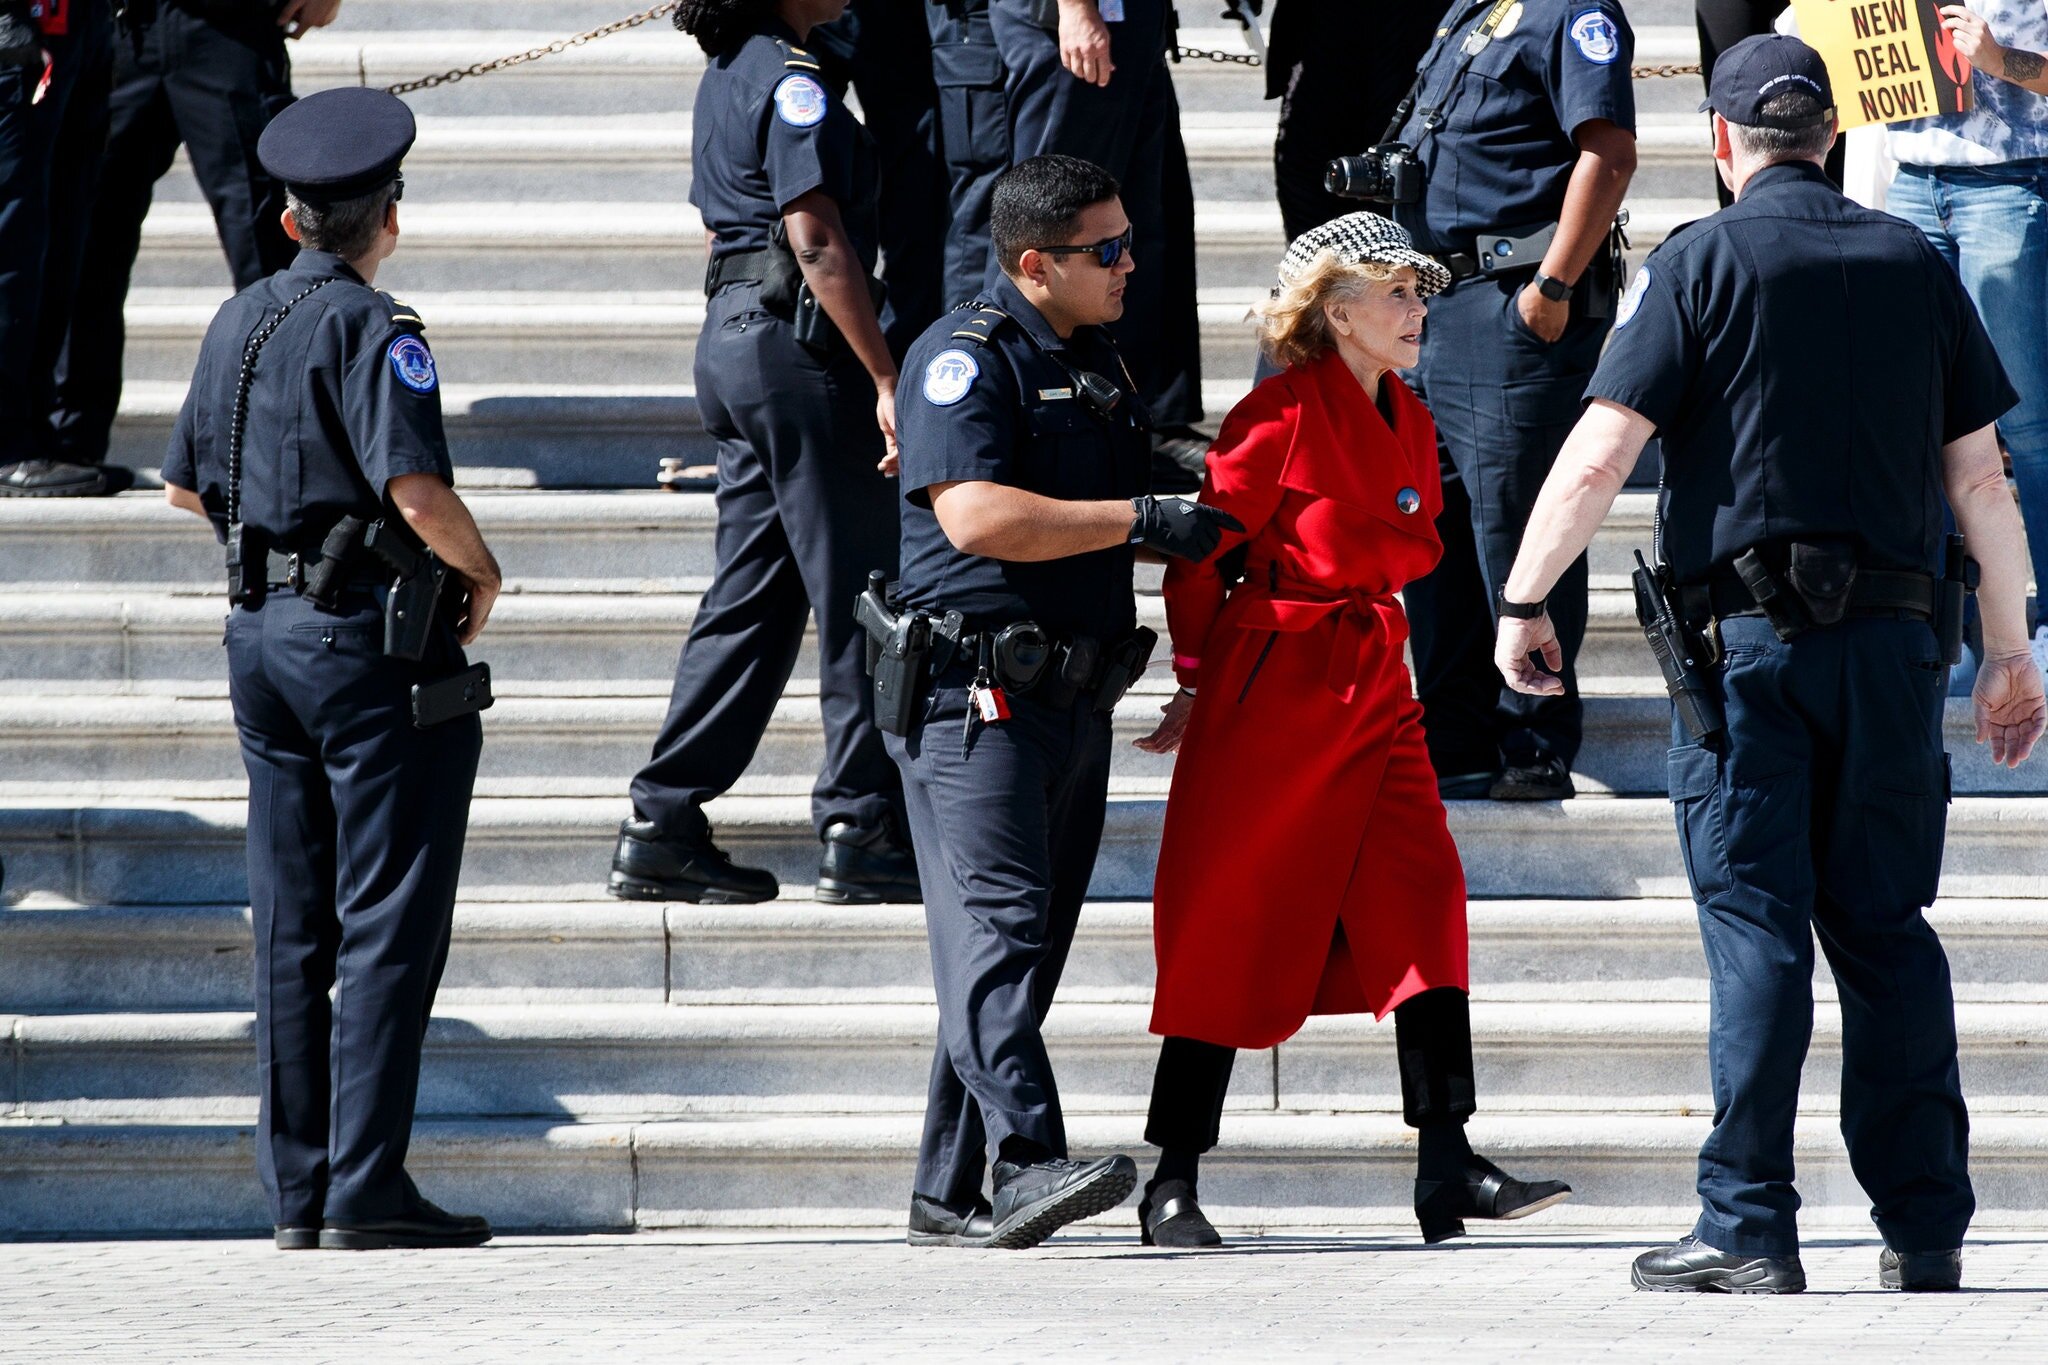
(1475, 43)
(240, 587)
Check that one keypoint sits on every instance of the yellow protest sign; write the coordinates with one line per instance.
(1889, 60)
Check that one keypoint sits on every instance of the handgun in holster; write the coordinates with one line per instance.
(324, 582)
(1959, 576)
(419, 580)
(1126, 662)
(1678, 656)
(899, 644)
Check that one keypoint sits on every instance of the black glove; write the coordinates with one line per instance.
(1178, 527)
(20, 43)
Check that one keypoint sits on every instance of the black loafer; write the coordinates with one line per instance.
(649, 865)
(424, 1225)
(1033, 1202)
(936, 1224)
(1487, 1193)
(1547, 779)
(1170, 1217)
(298, 1237)
(1691, 1266)
(1921, 1272)
(55, 479)
(866, 867)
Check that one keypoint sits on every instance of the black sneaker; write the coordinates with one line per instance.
(1547, 779)
(933, 1224)
(1691, 1265)
(424, 1225)
(1033, 1202)
(866, 867)
(648, 865)
(55, 479)
(297, 1236)
(1921, 1272)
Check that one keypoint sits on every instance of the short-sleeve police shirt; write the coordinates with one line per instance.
(1008, 412)
(1804, 360)
(1500, 155)
(345, 399)
(768, 131)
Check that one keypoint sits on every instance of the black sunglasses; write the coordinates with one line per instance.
(1108, 251)
(397, 188)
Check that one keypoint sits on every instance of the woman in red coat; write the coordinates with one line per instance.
(1307, 867)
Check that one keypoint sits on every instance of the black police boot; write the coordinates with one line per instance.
(936, 1224)
(1486, 1192)
(1033, 1202)
(1921, 1272)
(55, 479)
(297, 1236)
(1178, 459)
(422, 1225)
(648, 865)
(1168, 1216)
(866, 867)
(1546, 779)
(1691, 1265)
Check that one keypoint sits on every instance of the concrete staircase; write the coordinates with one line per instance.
(595, 1064)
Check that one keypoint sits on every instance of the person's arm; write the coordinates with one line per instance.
(1600, 180)
(2010, 708)
(998, 521)
(2027, 70)
(438, 516)
(833, 269)
(1575, 499)
(186, 499)
(1084, 41)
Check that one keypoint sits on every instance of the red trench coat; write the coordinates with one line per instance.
(1303, 798)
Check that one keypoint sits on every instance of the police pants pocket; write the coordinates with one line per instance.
(973, 112)
(1694, 779)
(1904, 816)
(354, 639)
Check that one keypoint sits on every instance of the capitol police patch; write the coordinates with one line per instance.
(1625, 311)
(413, 363)
(948, 377)
(800, 101)
(1596, 38)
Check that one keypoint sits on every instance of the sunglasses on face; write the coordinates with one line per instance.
(1108, 251)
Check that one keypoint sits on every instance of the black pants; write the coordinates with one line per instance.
(356, 825)
(211, 85)
(1723, 24)
(1432, 1038)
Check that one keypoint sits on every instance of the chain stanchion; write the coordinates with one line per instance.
(534, 54)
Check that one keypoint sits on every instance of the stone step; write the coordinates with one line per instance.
(96, 959)
(109, 843)
(1272, 1171)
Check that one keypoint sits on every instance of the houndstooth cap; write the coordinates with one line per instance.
(1359, 237)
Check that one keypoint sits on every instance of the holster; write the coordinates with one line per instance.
(899, 647)
(1814, 590)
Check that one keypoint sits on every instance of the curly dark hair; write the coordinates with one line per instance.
(719, 26)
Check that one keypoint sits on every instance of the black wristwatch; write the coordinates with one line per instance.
(1556, 290)
(1521, 611)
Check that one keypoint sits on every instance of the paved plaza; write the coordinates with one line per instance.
(1093, 1296)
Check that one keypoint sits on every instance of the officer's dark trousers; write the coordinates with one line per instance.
(1006, 828)
(49, 162)
(1503, 401)
(1823, 813)
(974, 136)
(803, 516)
(212, 86)
(1131, 128)
(356, 824)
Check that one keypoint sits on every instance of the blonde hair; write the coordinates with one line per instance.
(1292, 326)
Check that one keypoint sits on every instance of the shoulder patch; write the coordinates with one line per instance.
(949, 377)
(413, 363)
(800, 101)
(1632, 299)
(1595, 36)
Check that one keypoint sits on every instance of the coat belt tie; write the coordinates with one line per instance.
(1275, 603)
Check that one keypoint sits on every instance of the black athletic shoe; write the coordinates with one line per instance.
(297, 1237)
(55, 479)
(866, 867)
(1033, 1202)
(650, 866)
(933, 1224)
(1547, 779)
(1169, 1217)
(423, 1225)
(1921, 1272)
(1691, 1265)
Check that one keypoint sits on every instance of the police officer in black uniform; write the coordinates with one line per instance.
(208, 75)
(311, 438)
(1820, 381)
(797, 386)
(1024, 474)
(1523, 122)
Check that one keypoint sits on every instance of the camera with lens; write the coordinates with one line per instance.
(1390, 173)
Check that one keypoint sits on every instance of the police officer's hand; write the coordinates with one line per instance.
(482, 597)
(1518, 639)
(1084, 41)
(298, 17)
(885, 418)
(1545, 317)
(1178, 527)
(1173, 726)
(2011, 711)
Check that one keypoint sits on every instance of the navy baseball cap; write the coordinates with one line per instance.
(1761, 68)
(338, 144)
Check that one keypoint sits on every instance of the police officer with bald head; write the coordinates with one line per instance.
(311, 439)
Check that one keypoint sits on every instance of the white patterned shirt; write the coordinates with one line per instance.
(2007, 123)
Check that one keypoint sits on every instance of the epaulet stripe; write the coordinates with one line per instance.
(806, 65)
(979, 328)
(408, 317)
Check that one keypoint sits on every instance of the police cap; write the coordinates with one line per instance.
(338, 144)
(1759, 69)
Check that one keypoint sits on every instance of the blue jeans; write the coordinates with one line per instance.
(1991, 224)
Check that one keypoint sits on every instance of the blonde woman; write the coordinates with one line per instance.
(1307, 867)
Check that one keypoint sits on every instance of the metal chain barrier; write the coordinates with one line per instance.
(1206, 54)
